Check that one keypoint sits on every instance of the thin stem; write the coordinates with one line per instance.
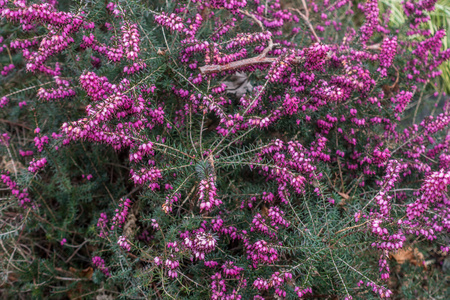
(409, 140)
(190, 130)
(310, 215)
(234, 126)
(181, 185)
(298, 218)
(201, 132)
(195, 87)
(355, 270)
(245, 152)
(96, 171)
(164, 288)
(324, 205)
(339, 165)
(12, 159)
(419, 101)
(232, 142)
(9, 54)
(173, 149)
(165, 40)
(28, 88)
(339, 273)
(176, 168)
(305, 18)
(349, 228)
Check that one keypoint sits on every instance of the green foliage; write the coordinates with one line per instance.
(440, 18)
(322, 247)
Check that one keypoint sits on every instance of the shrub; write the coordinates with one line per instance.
(221, 149)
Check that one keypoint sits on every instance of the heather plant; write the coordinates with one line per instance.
(224, 149)
(439, 18)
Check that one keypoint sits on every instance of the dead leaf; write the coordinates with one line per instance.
(12, 277)
(74, 293)
(78, 290)
(10, 280)
(344, 195)
(87, 273)
(104, 297)
(238, 84)
(264, 211)
(129, 229)
(161, 51)
(10, 165)
(414, 256)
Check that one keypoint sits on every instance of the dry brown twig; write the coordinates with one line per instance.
(305, 18)
(262, 58)
(258, 60)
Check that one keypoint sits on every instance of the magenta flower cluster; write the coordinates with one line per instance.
(208, 194)
(200, 243)
(62, 91)
(387, 54)
(36, 165)
(123, 243)
(121, 213)
(100, 264)
(7, 69)
(338, 105)
(22, 196)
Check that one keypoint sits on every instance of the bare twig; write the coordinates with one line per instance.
(15, 124)
(305, 18)
(339, 165)
(76, 251)
(339, 273)
(260, 24)
(258, 60)
(419, 101)
(348, 228)
(12, 159)
(28, 88)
